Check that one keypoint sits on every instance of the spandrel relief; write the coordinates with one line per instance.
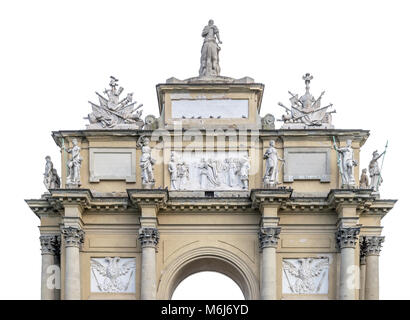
(305, 276)
(113, 275)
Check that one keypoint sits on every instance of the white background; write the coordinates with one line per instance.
(55, 54)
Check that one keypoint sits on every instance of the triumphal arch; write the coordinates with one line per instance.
(281, 207)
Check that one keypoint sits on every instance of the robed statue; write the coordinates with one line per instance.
(210, 51)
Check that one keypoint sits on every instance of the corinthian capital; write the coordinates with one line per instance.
(268, 237)
(346, 237)
(372, 245)
(148, 237)
(73, 236)
(50, 244)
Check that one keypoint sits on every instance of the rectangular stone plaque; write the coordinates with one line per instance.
(206, 108)
(112, 164)
(307, 164)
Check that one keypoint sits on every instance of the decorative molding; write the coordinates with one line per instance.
(268, 237)
(152, 198)
(364, 202)
(372, 245)
(270, 196)
(346, 237)
(148, 237)
(73, 237)
(50, 244)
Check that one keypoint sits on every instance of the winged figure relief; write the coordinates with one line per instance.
(305, 275)
(112, 275)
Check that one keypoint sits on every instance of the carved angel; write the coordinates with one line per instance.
(110, 274)
(306, 273)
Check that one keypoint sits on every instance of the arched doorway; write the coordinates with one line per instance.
(201, 286)
(208, 259)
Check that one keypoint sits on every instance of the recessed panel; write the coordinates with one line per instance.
(210, 109)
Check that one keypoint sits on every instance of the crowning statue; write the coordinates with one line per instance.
(146, 163)
(375, 172)
(270, 179)
(51, 178)
(346, 164)
(210, 51)
(74, 165)
(113, 113)
(306, 110)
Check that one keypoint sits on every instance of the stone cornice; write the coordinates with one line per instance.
(149, 198)
(274, 197)
(379, 207)
(42, 207)
(201, 205)
(361, 199)
(66, 197)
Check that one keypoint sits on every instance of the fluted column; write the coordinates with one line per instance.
(73, 238)
(346, 239)
(373, 246)
(268, 241)
(50, 267)
(148, 238)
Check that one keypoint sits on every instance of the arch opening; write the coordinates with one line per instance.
(207, 285)
(208, 260)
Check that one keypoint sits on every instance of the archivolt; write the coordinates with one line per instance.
(208, 259)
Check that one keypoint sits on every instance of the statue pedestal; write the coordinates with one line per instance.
(269, 185)
(148, 185)
(72, 185)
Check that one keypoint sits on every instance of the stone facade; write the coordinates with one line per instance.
(191, 197)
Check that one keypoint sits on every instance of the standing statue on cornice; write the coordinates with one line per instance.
(271, 156)
(364, 180)
(51, 178)
(210, 51)
(375, 172)
(346, 164)
(146, 163)
(74, 165)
